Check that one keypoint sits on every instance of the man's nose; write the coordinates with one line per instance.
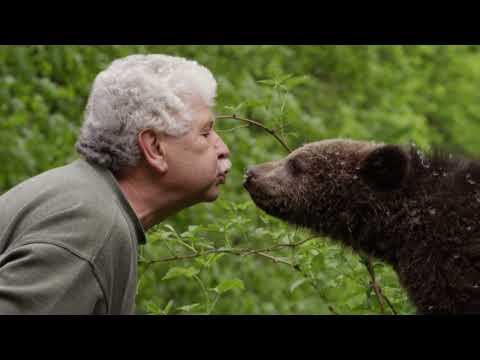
(222, 148)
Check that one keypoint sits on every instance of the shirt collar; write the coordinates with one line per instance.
(108, 176)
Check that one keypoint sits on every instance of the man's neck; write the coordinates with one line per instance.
(150, 203)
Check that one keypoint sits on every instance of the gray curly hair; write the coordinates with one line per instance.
(138, 92)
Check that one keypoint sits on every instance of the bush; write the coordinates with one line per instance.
(252, 263)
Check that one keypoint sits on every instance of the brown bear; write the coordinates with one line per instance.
(418, 212)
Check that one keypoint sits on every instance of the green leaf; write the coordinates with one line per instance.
(297, 284)
(284, 77)
(181, 272)
(155, 236)
(168, 307)
(225, 205)
(212, 227)
(253, 103)
(212, 258)
(192, 232)
(188, 308)
(228, 285)
(169, 227)
(244, 205)
(153, 308)
(200, 261)
(265, 219)
(296, 81)
(267, 82)
(235, 109)
(205, 245)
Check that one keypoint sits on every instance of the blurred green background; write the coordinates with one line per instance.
(427, 95)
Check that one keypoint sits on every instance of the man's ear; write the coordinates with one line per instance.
(152, 150)
(385, 168)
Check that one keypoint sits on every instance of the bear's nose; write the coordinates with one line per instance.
(249, 175)
(251, 172)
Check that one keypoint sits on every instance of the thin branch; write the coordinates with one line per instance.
(202, 286)
(238, 252)
(278, 246)
(186, 257)
(332, 310)
(220, 251)
(376, 287)
(281, 127)
(257, 124)
(277, 260)
(234, 128)
(390, 305)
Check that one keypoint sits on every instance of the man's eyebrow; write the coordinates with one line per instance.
(208, 123)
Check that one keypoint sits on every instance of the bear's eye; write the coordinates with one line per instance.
(296, 165)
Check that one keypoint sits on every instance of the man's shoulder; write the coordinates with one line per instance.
(70, 205)
(77, 177)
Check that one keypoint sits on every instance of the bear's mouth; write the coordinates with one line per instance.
(258, 197)
(272, 205)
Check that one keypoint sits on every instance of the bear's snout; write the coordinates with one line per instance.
(248, 176)
(260, 173)
(251, 172)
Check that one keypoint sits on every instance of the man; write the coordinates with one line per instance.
(69, 236)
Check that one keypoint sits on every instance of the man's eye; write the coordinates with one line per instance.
(206, 134)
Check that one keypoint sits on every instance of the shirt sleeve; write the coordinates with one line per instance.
(42, 278)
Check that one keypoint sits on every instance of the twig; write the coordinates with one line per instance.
(277, 259)
(281, 127)
(234, 128)
(257, 124)
(186, 257)
(332, 310)
(378, 290)
(238, 252)
(220, 251)
(278, 246)
(205, 292)
(390, 305)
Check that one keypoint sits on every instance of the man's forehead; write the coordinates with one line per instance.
(202, 113)
(207, 119)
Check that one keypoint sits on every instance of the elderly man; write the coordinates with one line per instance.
(69, 236)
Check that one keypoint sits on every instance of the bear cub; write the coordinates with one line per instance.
(418, 212)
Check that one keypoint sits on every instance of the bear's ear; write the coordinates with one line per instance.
(385, 168)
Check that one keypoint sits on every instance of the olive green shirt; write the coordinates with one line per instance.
(68, 244)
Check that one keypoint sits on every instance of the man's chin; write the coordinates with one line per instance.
(210, 197)
(212, 194)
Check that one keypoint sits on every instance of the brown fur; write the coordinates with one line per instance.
(420, 213)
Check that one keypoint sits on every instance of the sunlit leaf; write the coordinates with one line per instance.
(227, 285)
(176, 272)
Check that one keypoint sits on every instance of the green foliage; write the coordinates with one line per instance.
(228, 285)
(211, 258)
(176, 272)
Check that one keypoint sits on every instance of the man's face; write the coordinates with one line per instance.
(194, 160)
